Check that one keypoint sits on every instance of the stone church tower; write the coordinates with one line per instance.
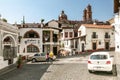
(62, 16)
(87, 14)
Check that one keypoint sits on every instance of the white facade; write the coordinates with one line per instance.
(30, 41)
(96, 37)
(66, 39)
(8, 44)
(117, 32)
(37, 39)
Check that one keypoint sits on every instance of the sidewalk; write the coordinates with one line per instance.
(8, 69)
(117, 59)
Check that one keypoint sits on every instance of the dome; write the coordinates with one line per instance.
(62, 16)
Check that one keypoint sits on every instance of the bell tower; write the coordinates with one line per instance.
(87, 14)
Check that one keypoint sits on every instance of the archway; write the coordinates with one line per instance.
(9, 49)
(31, 34)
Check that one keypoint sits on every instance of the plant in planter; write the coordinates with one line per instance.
(19, 61)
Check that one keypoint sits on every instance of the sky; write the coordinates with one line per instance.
(35, 10)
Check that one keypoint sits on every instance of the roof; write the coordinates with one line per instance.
(97, 26)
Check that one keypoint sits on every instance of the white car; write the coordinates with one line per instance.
(100, 61)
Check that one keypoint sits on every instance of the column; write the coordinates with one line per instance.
(51, 40)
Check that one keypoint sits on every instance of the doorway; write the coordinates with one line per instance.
(55, 50)
(94, 46)
(106, 45)
(82, 47)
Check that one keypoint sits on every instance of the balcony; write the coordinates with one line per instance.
(94, 36)
(107, 37)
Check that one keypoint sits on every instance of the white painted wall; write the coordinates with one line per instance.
(35, 42)
(117, 32)
(8, 30)
(100, 32)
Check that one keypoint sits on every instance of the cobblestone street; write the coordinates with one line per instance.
(74, 71)
(72, 68)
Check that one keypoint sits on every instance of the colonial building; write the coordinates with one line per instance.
(38, 38)
(8, 44)
(94, 37)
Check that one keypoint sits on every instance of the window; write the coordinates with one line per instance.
(94, 35)
(66, 34)
(94, 57)
(32, 48)
(71, 34)
(31, 34)
(107, 35)
(76, 43)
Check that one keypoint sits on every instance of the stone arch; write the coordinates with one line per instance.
(31, 34)
(11, 39)
(9, 48)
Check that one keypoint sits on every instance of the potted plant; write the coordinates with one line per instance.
(19, 61)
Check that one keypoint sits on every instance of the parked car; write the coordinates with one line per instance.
(100, 61)
(39, 57)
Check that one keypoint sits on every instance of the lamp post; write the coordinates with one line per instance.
(25, 46)
(46, 38)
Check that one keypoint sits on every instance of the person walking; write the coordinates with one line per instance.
(51, 56)
(47, 57)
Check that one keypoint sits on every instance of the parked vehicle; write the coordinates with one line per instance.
(100, 61)
(38, 57)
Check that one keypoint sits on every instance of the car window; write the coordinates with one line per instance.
(42, 54)
(37, 55)
(98, 57)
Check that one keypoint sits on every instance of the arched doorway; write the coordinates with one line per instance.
(9, 49)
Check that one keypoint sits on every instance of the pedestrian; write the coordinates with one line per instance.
(51, 56)
(47, 57)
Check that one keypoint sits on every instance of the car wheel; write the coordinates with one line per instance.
(90, 71)
(33, 60)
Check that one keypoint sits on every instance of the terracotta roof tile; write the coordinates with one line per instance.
(97, 26)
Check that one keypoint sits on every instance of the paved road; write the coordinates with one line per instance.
(72, 68)
(27, 72)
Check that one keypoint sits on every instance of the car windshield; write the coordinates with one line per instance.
(95, 57)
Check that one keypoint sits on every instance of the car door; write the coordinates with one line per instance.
(37, 56)
(43, 57)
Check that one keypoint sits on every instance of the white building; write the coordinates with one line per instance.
(30, 38)
(117, 32)
(96, 37)
(38, 38)
(8, 44)
(66, 39)
(116, 25)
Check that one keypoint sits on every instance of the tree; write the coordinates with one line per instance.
(42, 20)
(3, 19)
